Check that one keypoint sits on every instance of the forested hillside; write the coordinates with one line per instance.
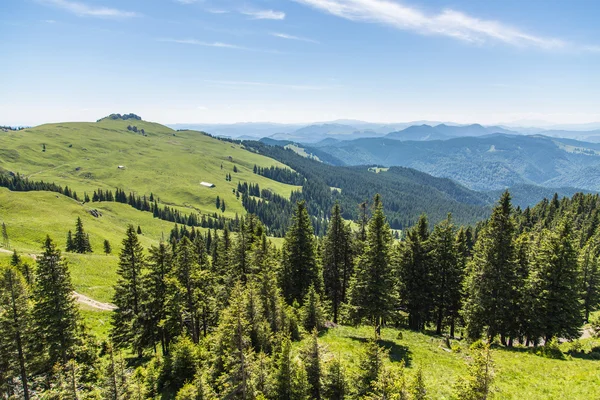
(448, 312)
(492, 162)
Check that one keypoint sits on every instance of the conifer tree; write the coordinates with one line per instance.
(126, 319)
(446, 272)
(291, 381)
(556, 287)
(370, 364)
(390, 384)
(55, 313)
(139, 230)
(16, 336)
(492, 277)
(312, 363)
(478, 384)
(154, 296)
(337, 261)
(70, 247)
(23, 267)
(107, 247)
(312, 311)
(590, 280)
(299, 259)
(335, 383)
(81, 242)
(372, 291)
(417, 388)
(415, 277)
(5, 240)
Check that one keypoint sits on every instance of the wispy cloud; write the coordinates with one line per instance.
(86, 10)
(264, 14)
(448, 22)
(195, 42)
(217, 11)
(186, 1)
(266, 84)
(292, 37)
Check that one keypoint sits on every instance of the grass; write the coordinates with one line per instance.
(170, 164)
(519, 373)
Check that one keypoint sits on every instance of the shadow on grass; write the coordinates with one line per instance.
(397, 352)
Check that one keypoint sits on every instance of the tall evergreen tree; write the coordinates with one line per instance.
(5, 239)
(370, 364)
(23, 267)
(127, 322)
(337, 261)
(556, 287)
(372, 293)
(299, 259)
(478, 384)
(446, 272)
(186, 271)
(55, 313)
(415, 277)
(81, 242)
(335, 383)
(492, 277)
(16, 336)
(312, 363)
(107, 247)
(70, 247)
(590, 279)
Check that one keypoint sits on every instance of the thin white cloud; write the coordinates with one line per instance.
(195, 42)
(448, 22)
(292, 37)
(266, 84)
(85, 10)
(202, 108)
(264, 14)
(186, 1)
(217, 11)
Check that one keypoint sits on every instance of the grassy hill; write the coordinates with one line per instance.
(171, 164)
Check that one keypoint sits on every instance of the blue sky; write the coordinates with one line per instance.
(186, 61)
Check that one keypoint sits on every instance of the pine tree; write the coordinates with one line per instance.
(417, 387)
(390, 384)
(590, 280)
(415, 275)
(16, 336)
(139, 230)
(478, 384)
(218, 202)
(128, 293)
(299, 259)
(5, 240)
(335, 383)
(492, 277)
(81, 242)
(370, 364)
(337, 261)
(372, 291)
(55, 313)
(556, 287)
(291, 381)
(312, 362)
(312, 311)
(107, 247)
(446, 272)
(70, 247)
(154, 297)
(23, 267)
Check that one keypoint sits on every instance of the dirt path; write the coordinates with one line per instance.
(93, 303)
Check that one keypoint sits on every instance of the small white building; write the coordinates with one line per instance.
(207, 184)
(121, 167)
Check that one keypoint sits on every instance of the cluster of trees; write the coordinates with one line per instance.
(17, 183)
(220, 204)
(135, 129)
(124, 117)
(80, 243)
(283, 175)
(218, 312)
(165, 213)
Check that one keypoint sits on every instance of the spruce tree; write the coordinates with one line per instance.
(335, 383)
(23, 267)
(446, 272)
(154, 297)
(417, 388)
(55, 313)
(312, 362)
(372, 291)
(107, 247)
(478, 384)
(126, 319)
(139, 230)
(70, 247)
(5, 240)
(556, 286)
(312, 311)
(337, 261)
(492, 280)
(299, 259)
(370, 364)
(81, 242)
(415, 277)
(590, 280)
(16, 336)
